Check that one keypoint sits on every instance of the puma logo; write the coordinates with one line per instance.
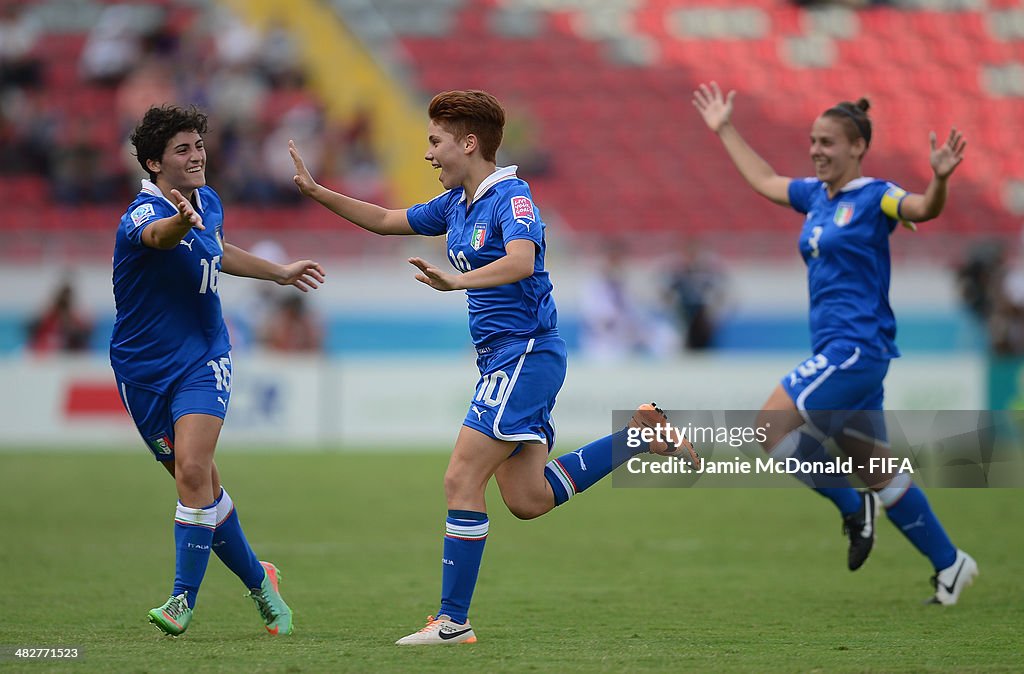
(479, 412)
(579, 455)
(187, 244)
(222, 402)
(913, 525)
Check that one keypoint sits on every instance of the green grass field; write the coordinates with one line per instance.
(617, 580)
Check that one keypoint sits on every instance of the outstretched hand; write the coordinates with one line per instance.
(186, 212)
(434, 277)
(713, 107)
(305, 275)
(946, 158)
(303, 180)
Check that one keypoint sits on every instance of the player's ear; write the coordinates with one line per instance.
(153, 165)
(470, 143)
(860, 147)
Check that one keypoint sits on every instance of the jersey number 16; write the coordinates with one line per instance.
(210, 273)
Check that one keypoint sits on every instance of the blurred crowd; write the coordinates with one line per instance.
(682, 312)
(991, 281)
(250, 83)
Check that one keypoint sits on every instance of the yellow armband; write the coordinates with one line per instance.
(891, 201)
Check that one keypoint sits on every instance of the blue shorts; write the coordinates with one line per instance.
(516, 392)
(839, 380)
(204, 390)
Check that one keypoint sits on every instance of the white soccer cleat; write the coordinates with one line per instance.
(952, 580)
(440, 631)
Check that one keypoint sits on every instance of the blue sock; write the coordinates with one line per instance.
(908, 508)
(576, 471)
(193, 535)
(834, 487)
(231, 546)
(464, 538)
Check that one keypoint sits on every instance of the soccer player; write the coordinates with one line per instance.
(495, 241)
(171, 354)
(838, 392)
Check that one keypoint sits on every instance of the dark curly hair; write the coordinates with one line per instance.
(158, 126)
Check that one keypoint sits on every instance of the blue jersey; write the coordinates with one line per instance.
(168, 311)
(502, 211)
(845, 244)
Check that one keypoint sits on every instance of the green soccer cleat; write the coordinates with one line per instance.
(173, 617)
(276, 614)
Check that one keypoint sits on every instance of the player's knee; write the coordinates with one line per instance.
(191, 476)
(458, 485)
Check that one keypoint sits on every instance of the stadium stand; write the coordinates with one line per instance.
(628, 155)
(600, 90)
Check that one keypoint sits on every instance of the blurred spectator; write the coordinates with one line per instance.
(60, 328)
(81, 173)
(977, 276)
(27, 134)
(695, 291)
(611, 327)
(291, 328)
(1006, 318)
(521, 145)
(115, 42)
(18, 34)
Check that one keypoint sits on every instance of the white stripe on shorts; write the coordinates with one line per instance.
(521, 437)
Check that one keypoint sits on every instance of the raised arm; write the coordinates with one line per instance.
(371, 217)
(717, 112)
(165, 233)
(305, 275)
(944, 160)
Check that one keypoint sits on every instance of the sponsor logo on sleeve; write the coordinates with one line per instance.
(522, 207)
(142, 214)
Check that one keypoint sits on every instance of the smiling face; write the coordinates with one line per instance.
(836, 159)
(182, 165)
(448, 154)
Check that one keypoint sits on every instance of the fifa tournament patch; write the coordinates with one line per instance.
(161, 445)
(844, 214)
(479, 235)
(522, 207)
(142, 214)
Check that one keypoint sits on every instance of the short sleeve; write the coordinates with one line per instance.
(429, 219)
(517, 215)
(800, 192)
(137, 219)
